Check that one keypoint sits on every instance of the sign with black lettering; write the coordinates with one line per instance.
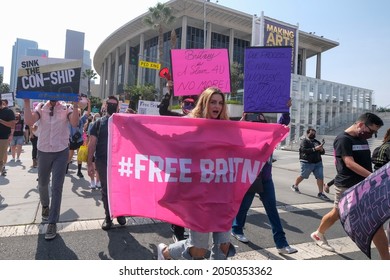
(195, 70)
(267, 79)
(49, 78)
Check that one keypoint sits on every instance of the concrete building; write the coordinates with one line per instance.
(321, 104)
(74, 49)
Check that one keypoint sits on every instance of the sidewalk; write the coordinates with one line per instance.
(19, 198)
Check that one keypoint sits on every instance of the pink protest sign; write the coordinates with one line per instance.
(197, 69)
(183, 170)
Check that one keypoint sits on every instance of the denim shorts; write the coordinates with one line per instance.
(17, 140)
(317, 169)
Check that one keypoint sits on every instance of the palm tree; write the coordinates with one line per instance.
(4, 88)
(160, 16)
(90, 75)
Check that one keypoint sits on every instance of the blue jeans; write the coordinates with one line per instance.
(197, 239)
(269, 201)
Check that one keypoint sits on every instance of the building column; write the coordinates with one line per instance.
(231, 45)
(116, 69)
(127, 62)
(109, 83)
(184, 33)
(140, 77)
(318, 67)
(103, 79)
(303, 61)
(208, 37)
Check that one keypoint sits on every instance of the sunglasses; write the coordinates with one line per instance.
(373, 132)
(51, 111)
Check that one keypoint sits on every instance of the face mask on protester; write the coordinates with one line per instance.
(112, 108)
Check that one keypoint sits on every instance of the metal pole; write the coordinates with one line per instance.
(204, 24)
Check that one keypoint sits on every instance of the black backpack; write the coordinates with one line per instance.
(380, 155)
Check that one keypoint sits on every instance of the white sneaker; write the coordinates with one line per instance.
(160, 249)
(321, 241)
(240, 237)
(93, 185)
(98, 185)
(287, 250)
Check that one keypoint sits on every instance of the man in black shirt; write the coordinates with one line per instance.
(353, 164)
(97, 150)
(7, 122)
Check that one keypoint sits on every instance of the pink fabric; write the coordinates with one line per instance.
(189, 172)
(53, 132)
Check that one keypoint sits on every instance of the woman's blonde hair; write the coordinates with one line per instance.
(203, 103)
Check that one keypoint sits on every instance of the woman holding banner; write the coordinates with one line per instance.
(211, 105)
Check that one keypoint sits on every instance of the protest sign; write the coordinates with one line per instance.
(194, 70)
(49, 79)
(267, 79)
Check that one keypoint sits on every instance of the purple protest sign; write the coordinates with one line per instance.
(194, 70)
(364, 208)
(267, 79)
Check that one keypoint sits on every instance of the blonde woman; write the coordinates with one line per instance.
(211, 105)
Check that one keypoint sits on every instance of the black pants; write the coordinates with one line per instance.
(34, 141)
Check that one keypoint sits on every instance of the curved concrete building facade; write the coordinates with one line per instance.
(316, 103)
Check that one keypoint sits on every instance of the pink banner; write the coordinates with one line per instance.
(185, 171)
(197, 69)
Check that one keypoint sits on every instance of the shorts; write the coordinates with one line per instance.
(75, 146)
(338, 193)
(17, 140)
(317, 169)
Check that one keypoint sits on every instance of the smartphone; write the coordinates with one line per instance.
(323, 142)
(252, 117)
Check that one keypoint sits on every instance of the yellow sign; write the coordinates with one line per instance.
(148, 64)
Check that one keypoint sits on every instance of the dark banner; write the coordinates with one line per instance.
(365, 207)
(267, 79)
(51, 79)
(279, 35)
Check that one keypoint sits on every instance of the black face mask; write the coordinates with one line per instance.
(312, 136)
(365, 135)
(111, 108)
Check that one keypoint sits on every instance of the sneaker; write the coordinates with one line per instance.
(80, 175)
(18, 160)
(287, 250)
(45, 213)
(4, 172)
(240, 237)
(321, 241)
(51, 231)
(98, 185)
(92, 185)
(160, 249)
(178, 237)
(295, 189)
(323, 197)
(12, 160)
(107, 224)
(121, 220)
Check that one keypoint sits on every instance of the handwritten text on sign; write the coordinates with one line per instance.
(197, 69)
(267, 79)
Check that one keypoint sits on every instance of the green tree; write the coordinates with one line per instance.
(135, 93)
(90, 75)
(4, 88)
(160, 16)
(236, 77)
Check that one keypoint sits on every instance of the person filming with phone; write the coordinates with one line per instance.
(310, 152)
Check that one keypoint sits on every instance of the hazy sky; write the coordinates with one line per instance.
(361, 27)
